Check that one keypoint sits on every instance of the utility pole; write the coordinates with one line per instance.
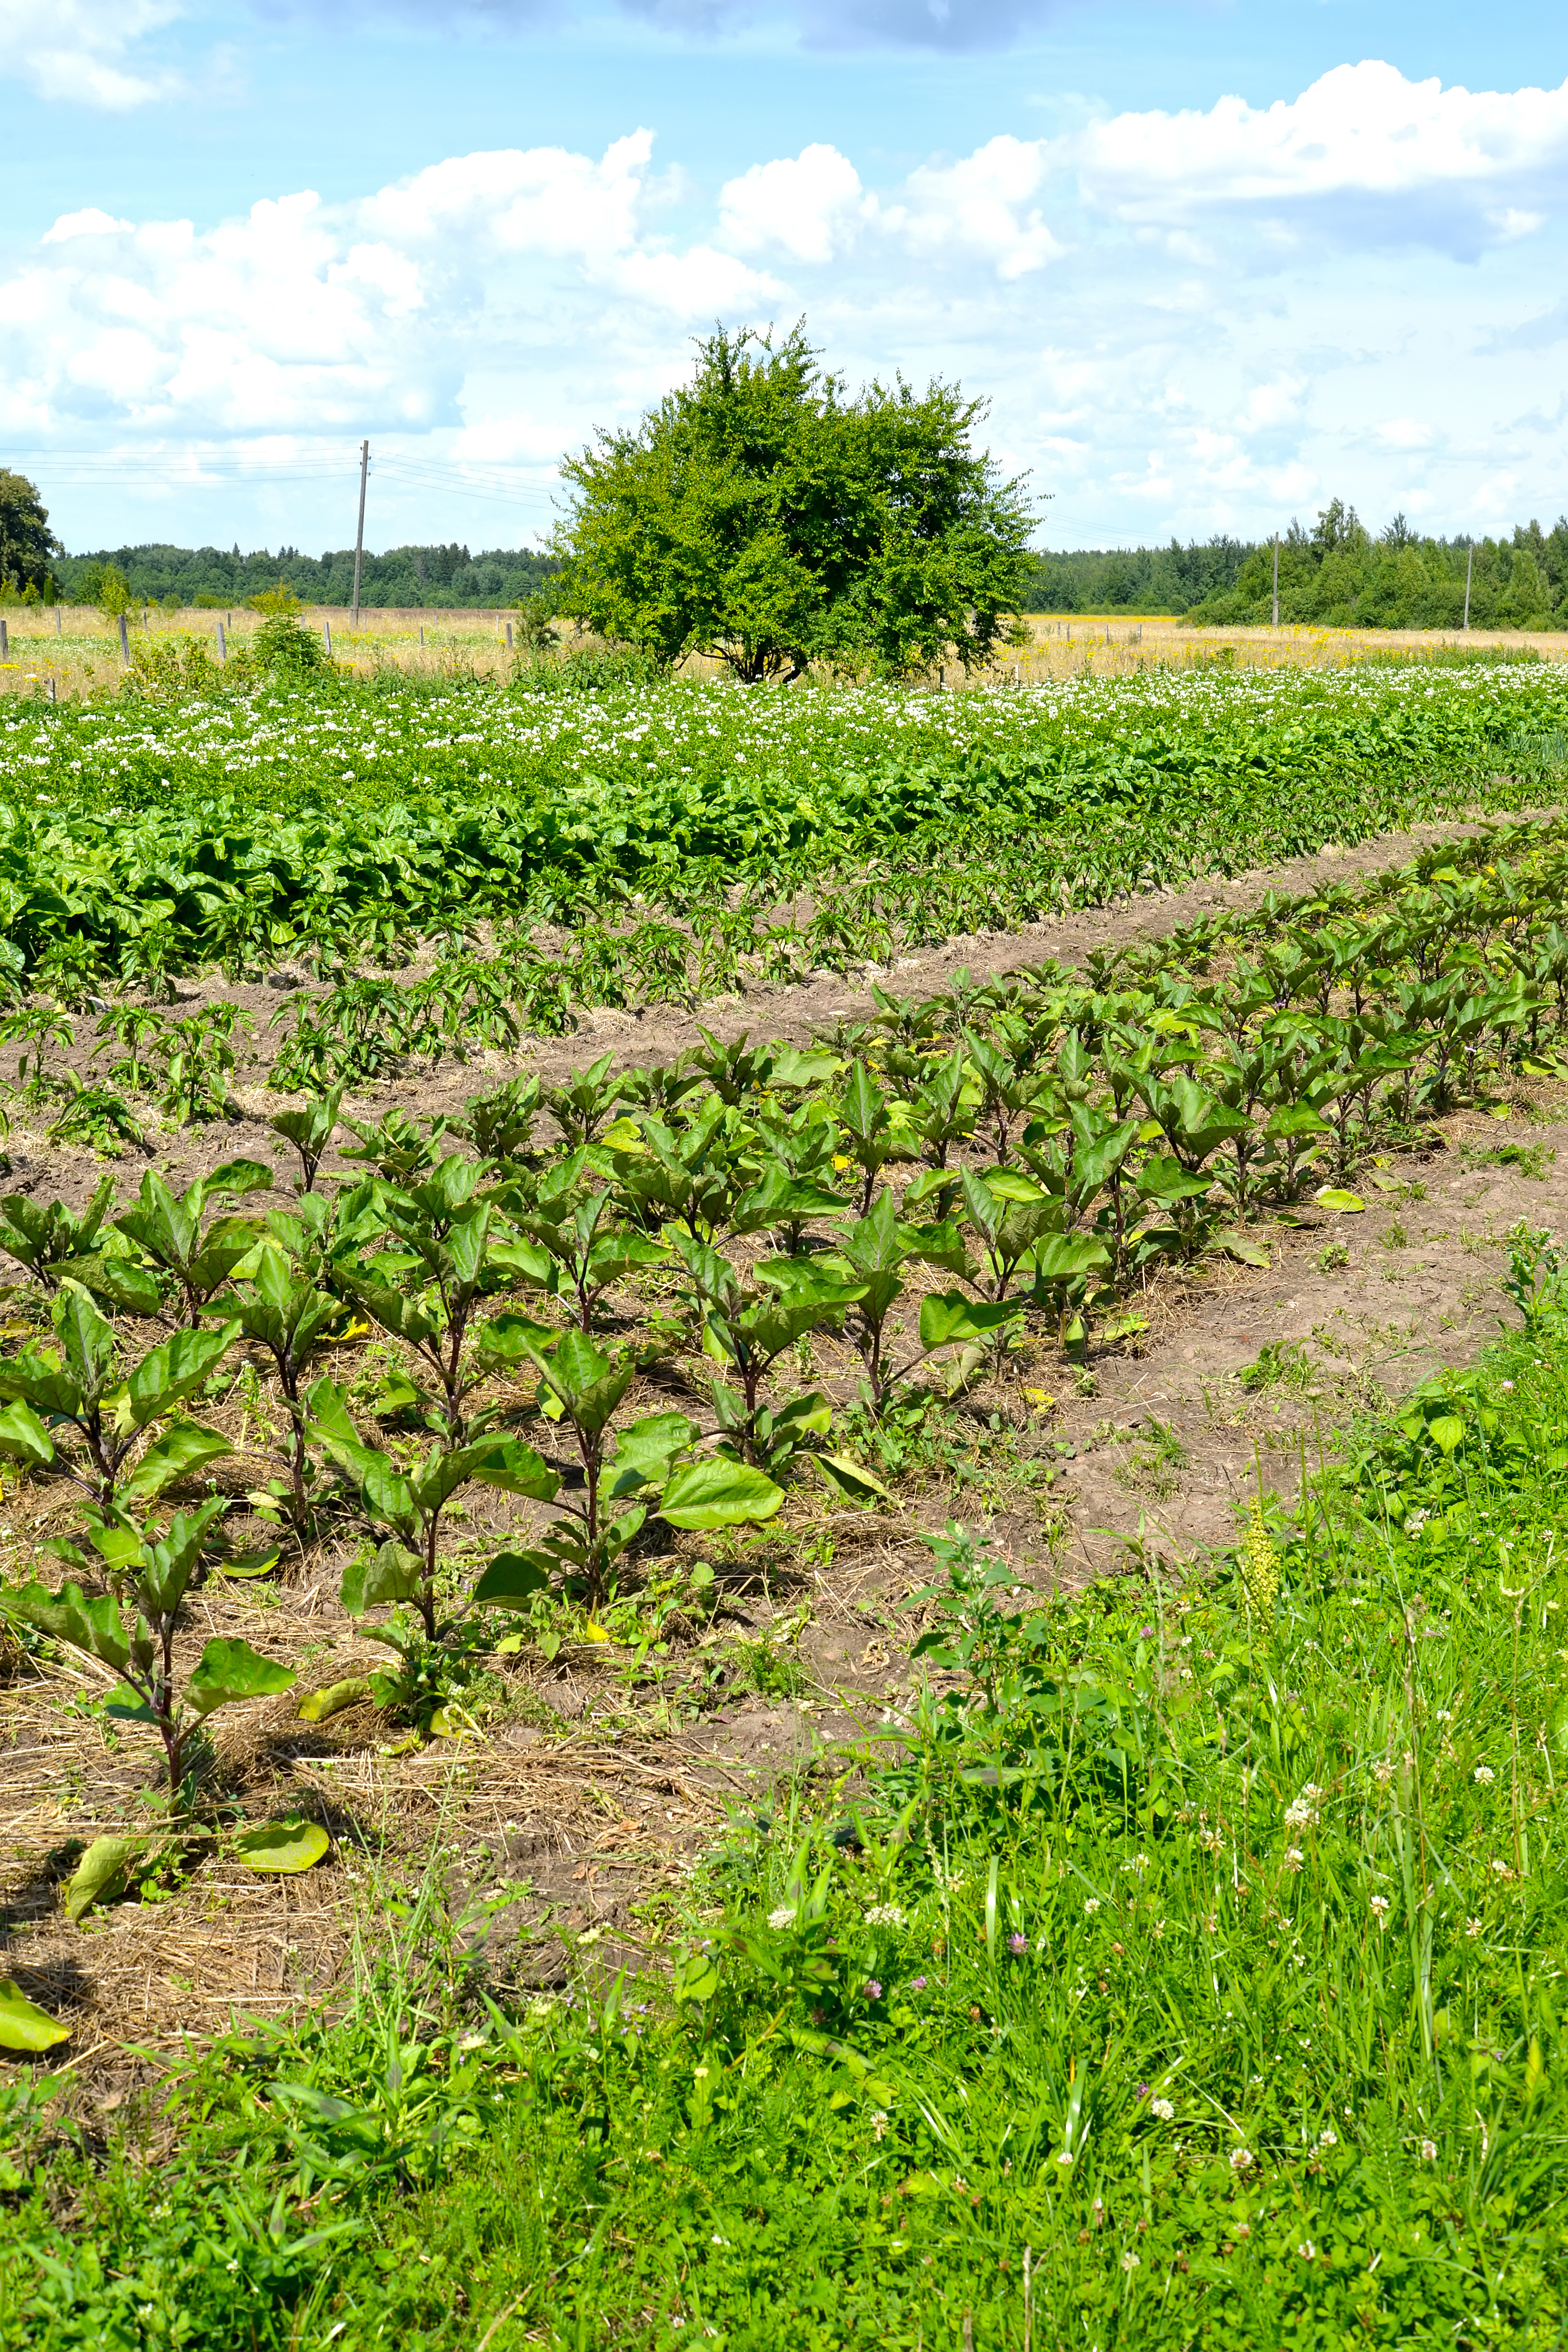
(1276, 622)
(1469, 561)
(359, 536)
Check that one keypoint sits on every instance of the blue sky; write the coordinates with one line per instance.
(1212, 263)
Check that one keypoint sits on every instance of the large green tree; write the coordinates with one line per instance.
(761, 515)
(27, 542)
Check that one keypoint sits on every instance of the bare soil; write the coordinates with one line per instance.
(565, 1826)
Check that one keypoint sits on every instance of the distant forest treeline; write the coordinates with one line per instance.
(405, 576)
(1336, 574)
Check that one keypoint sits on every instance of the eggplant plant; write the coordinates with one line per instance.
(1009, 1212)
(871, 1138)
(500, 1125)
(873, 1255)
(294, 1324)
(47, 1238)
(451, 1252)
(309, 1132)
(747, 1329)
(131, 1631)
(582, 1108)
(577, 1252)
(196, 1259)
(85, 1389)
(619, 1475)
(407, 1506)
(692, 1176)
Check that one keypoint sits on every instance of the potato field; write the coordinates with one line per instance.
(781, 1484)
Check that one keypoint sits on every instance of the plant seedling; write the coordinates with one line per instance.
(170, 1231)
(624, 1474)
(108, 1411)
(309, 1132)
(873, 1254)
(747, 1330)
(133, 1634)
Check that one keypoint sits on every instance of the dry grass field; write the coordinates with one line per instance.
(72, 650)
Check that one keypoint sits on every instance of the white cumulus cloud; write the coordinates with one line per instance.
(1182, 321)
(1361, 144)
(808, 205)
(82, 50)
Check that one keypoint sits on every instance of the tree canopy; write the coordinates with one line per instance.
(1337, 575)
(761, 515)
(27, 542)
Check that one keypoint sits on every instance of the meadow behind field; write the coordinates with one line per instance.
(81, 655)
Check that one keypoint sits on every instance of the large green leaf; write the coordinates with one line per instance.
(169, 1371)
(784, 1200)
(328, 1407)
(649, 1446)
(229, 1670)
(42, 1384)
(87, 1338)
(516, 1469)
(393, 1309)
(954, 1317)
(102, 1873)
(94, 1626)
(719, 1493)
(24, 1437)
(589, 1383)
(24, 2026)
(282, 1848)
(530, 1262)
(1063, 1257)
(235, 1177)
(134, 1289)
(512, 1579)
(168, 1566)
(391, 1575)
(181, 1453)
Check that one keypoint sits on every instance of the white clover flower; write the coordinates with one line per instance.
(884, 1915)
(1242, 2159)
(1428, 2151)
(1294, 1857)
(1380, 1906)
(1472, 1928)
(1484, 1774)
(1327, 2140)
(1164, 2109)
(1131, 2261)
(1306, 2249)
(1302, 1812)
(1383, 1772)
(1091, 1902)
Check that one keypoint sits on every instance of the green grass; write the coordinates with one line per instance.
(1199, 1957)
